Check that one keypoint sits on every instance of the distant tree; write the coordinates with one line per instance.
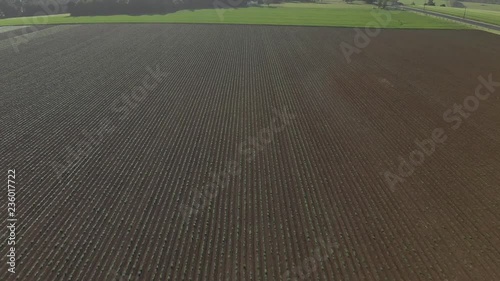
(382, 3)
(431, 3)
(71, 6)
(268, 2)
(457, 4)
(109, 7)
(10, 8)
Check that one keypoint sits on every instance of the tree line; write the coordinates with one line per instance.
(109, 7)
(17, 8)
(113, 7)
(26, 8)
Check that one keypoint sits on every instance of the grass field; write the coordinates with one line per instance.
(488, 13)
(481, 6)
(330, 14)
(469, 5)
(479, 15)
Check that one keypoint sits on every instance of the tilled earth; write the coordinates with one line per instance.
(217, 152)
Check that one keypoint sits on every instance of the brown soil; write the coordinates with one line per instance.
(316, 185)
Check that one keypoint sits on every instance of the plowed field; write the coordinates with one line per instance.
(212, 152)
